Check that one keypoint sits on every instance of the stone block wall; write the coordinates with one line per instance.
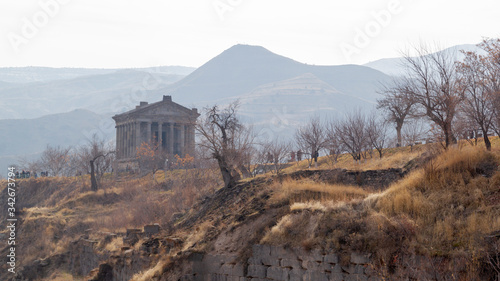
(280, 264)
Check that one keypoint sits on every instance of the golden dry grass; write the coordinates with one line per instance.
(57, 211)
(445, 208)
(152, 272)
(306, 190)
(392, 158)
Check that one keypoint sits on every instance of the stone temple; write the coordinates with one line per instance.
(166, 122)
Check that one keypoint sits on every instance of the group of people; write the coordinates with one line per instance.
(292, 156)
(27, 174)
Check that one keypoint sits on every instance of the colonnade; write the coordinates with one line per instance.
(173, 137)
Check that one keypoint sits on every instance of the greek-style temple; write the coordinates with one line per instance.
(165, 122)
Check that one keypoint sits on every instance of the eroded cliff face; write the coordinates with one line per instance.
(234, 251)
(88, 257)
(80, 259)
(281, 264)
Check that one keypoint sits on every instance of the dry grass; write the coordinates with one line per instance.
(444, 209)
(193, 238)
(62, 276)
(447, 200)
(306, 190)
(392, 158)
(152, 272)
(57, 211)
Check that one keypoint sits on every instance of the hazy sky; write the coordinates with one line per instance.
(125, 33)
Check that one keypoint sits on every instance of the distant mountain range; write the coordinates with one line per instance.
(94, 92)
(242, 68)
(45, 74)
(394, 66)
(276, 94)
(27, 138)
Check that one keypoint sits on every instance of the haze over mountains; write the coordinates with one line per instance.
(242, 68)
(45, 74)
(394, 66)
(276, 94)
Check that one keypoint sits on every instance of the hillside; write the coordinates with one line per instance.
(242, 68)
(105, 93)
(27, 138)
(394, 66)
(432, 214)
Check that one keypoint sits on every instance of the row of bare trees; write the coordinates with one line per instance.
(458, 98)
(95, 158)
(356, 134)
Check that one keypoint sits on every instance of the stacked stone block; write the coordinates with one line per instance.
(280, 264)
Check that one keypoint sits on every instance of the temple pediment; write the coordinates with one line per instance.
(159, 110)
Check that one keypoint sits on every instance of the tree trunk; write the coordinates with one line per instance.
(244, 170)
(486, 140)
(398, 131)
(227, 173)
(93, 180)
(448, 135)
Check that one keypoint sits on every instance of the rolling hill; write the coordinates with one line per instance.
(27, 138)
(103, 93)
(243, 68)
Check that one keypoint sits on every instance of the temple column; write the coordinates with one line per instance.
(119, 143)
(117, 138)
(148, 134)
(132, 140)
(159, 135)
(182, 139)
(130, 144)
(127, 140)
(171, 138)
(137, 136)
(192, 144)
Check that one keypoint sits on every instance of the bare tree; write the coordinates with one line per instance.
(55, 160)
(351, 132)
(432, 82)
(478, 105)
(96, 158)
(311, 138)
(278, 151)
(397, 104)
(33, 165)
(333, 142)
(492, 76)
(151, 157)
(376, 131)
(413, 132)
(245, 141)
(222, 134)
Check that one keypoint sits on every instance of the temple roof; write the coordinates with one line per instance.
(163, 108)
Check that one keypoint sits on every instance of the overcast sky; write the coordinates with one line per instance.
(125, 33)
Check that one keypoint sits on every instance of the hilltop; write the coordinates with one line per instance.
(414, 213)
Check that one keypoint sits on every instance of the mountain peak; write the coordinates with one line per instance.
(249, 54)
